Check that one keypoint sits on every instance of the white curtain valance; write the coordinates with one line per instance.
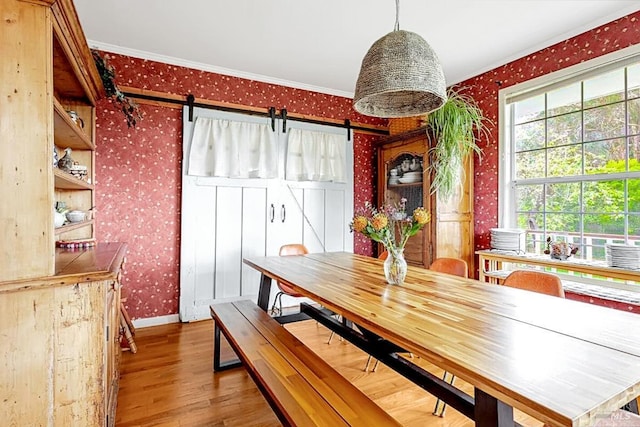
(316, 156)
(230, 149)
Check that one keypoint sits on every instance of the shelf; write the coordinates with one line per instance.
(72, 226)
(409, 184)
(66, 132)
(65, 181)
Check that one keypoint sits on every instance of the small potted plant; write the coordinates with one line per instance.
(560, 250)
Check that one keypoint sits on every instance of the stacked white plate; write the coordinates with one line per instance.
(623, 256)
(411, 177)
(507, 239)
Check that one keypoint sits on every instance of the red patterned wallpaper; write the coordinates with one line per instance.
(484, 88)
(138, 170)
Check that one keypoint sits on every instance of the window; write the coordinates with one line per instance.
(571, 158)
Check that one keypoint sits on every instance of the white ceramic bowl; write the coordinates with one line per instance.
(76, 216)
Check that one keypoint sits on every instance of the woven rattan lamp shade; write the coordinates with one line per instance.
(400, 76)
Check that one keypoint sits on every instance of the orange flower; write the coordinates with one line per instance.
(421, 216)
(379, 221)
(359, 223)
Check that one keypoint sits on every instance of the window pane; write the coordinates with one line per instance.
(605, 156)
(634, 116)
(593, 247)
(529, 109)
(603, 196)
(564, 197)
(529, 136)
(534, 241)
(634, 225)
(634, 195)
(612, 226)
(565, 161)
(604, 89)
(633, 81)
(530, 164)
(634, 153)
(604, 122)
(559, 224)
(564, 100)
(530, 199)
(563, 130)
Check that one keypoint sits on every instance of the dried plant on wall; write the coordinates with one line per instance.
(129, 108)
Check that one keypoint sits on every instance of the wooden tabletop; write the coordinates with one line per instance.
(565, 362)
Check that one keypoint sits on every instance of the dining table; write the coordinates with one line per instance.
(566, 363)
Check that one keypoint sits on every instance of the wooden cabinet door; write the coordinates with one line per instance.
(450, 232)
(403, 174)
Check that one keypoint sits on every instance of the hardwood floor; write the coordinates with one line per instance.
(170, 382)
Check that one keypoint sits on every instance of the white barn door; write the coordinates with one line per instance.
(225, 220)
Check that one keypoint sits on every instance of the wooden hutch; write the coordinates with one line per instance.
(450, 232)
(59, 309)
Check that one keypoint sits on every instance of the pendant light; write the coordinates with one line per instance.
(400, 76)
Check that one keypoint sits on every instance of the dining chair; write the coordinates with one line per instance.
(284, 289)
(536, 281)
(456, 267)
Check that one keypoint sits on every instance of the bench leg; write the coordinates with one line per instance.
(217, 366)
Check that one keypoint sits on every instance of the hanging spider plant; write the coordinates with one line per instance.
(455, 128)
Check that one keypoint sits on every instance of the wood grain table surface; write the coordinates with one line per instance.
(564, 362)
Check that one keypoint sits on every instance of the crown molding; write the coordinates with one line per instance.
(213, 69)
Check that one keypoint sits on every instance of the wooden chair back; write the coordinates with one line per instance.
(536, 281)
(455, 266)
(288, 250)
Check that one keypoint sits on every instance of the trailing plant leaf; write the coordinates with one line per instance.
(129, 108)
(454, 127)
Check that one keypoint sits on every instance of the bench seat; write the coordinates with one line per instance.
(302, 388)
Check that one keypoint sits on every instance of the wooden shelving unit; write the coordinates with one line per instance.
(60, 308)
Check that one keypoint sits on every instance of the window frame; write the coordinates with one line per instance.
(507, 209)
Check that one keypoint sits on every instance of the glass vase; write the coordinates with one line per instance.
(395, 267)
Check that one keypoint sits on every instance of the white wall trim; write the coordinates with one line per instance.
(213, 69)
(156, 321)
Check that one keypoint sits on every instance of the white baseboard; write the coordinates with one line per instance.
(155, 321)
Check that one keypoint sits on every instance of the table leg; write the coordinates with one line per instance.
(264, 292)
(490, 411)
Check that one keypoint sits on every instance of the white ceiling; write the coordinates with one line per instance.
(319, 45)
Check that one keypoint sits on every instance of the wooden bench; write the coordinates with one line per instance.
(302, 388)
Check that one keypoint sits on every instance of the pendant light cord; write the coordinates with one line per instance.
(397, 26)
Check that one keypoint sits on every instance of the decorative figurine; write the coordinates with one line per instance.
(55, 156)
(66, 162)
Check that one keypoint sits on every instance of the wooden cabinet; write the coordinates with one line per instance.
(59, 309)
(48, 70)
(450, 232)
(402, 174)
(61, 346)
